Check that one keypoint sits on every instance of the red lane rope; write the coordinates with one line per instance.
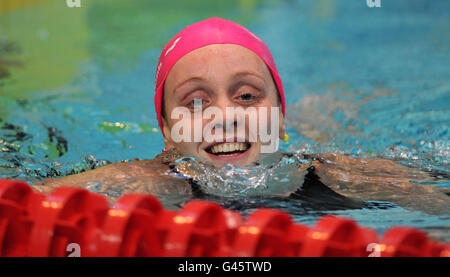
(77, 221)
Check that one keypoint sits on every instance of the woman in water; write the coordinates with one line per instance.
(218, 63)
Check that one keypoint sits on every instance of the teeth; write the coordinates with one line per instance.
(228, 147)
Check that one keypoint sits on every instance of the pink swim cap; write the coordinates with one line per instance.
(210, 31)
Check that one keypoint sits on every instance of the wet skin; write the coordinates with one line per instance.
(220, 76)
(365, 179)
(230, 75)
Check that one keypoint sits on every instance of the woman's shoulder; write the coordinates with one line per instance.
(142, 176)
(113, 170)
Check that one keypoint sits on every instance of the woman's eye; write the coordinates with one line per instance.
(247, 97)
(197, 102)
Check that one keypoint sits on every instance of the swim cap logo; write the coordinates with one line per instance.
(157, 71)
(173, 46)
(167, 52)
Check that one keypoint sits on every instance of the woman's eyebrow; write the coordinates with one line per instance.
(187, 81)
(235, 76)
(249, 73)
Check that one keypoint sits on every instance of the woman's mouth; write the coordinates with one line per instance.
(227, 149)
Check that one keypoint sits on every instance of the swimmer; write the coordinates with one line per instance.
(218, 63)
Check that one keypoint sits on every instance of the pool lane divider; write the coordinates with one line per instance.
(37, 225)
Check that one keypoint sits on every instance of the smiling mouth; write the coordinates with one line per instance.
(228, 148)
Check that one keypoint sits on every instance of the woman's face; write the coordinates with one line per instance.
(220, 75)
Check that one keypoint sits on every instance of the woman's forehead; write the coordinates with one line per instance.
(223, 59)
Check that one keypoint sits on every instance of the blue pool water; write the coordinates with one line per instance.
(369, 82)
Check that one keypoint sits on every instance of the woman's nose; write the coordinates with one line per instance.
(229, 118)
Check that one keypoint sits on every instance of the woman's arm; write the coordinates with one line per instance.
(116, 179)
(383, 180)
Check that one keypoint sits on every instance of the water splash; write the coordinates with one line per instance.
(275, 175)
